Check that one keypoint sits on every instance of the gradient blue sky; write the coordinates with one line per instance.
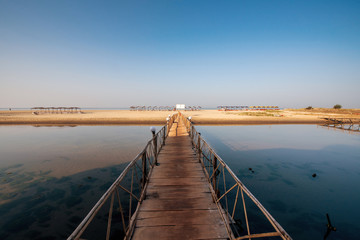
(120, 53)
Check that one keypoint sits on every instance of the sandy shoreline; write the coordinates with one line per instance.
(87, 117)
(204, 117)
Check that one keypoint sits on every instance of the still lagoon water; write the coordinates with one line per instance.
(284, 159)
(50, 177)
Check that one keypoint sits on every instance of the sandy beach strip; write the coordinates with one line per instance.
(87, 117)
(203, 117)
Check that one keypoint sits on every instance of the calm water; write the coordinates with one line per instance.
(50, 177)
(284, 158)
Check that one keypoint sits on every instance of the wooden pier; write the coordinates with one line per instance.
(178, 202)
(177, 187)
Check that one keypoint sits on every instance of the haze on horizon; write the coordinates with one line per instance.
(115, 54)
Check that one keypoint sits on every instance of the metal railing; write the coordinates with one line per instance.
(125, 194)
(229, 193)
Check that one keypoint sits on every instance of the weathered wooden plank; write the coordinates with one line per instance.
(164, 191)
(183, 157)
(177, 174)
(179, 189)
(179, 165)
(178, 181)
(181, 232)
(185, 217)
(174, 194)
(181, 160)
(178, 204)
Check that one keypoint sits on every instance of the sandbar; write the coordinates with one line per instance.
(203, 117)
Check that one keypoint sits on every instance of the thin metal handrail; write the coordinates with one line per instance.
(148, 159)
(214, 167)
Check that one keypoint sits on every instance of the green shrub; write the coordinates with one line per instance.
(337, 106)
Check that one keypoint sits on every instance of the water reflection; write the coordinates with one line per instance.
(66, 151)
(51, 177)
(52, 208)
(349, 129)
(283, 160)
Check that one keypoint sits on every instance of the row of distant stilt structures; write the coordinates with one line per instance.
(246, 108)
(163, 108)
(55, 110)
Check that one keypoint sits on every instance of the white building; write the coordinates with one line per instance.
(180, 106)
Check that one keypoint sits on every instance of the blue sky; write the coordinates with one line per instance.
(208, 53)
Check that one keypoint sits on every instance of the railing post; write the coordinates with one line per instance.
(164, 136)
(144, 170)
(190, 132)
(192, 135)
(193, 132)
(214, 174)
(198, 147)
(155, 147)
(168, 127)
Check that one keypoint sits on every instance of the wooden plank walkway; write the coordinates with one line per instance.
(178, 203)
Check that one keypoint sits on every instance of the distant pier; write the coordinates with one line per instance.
(348, 124)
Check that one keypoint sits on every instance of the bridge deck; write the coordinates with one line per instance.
(178, 203)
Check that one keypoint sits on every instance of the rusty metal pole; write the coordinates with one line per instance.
(214, 174)
(153, 131)
(190, 132)
(164, 136)
(189, 124)
(198, 147)
(189, 127)
(144, 170)
(167, 126)
(192, 135)
(155, 147)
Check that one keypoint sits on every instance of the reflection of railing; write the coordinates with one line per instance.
(224, 185)
(348, 124)
(132, 183)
